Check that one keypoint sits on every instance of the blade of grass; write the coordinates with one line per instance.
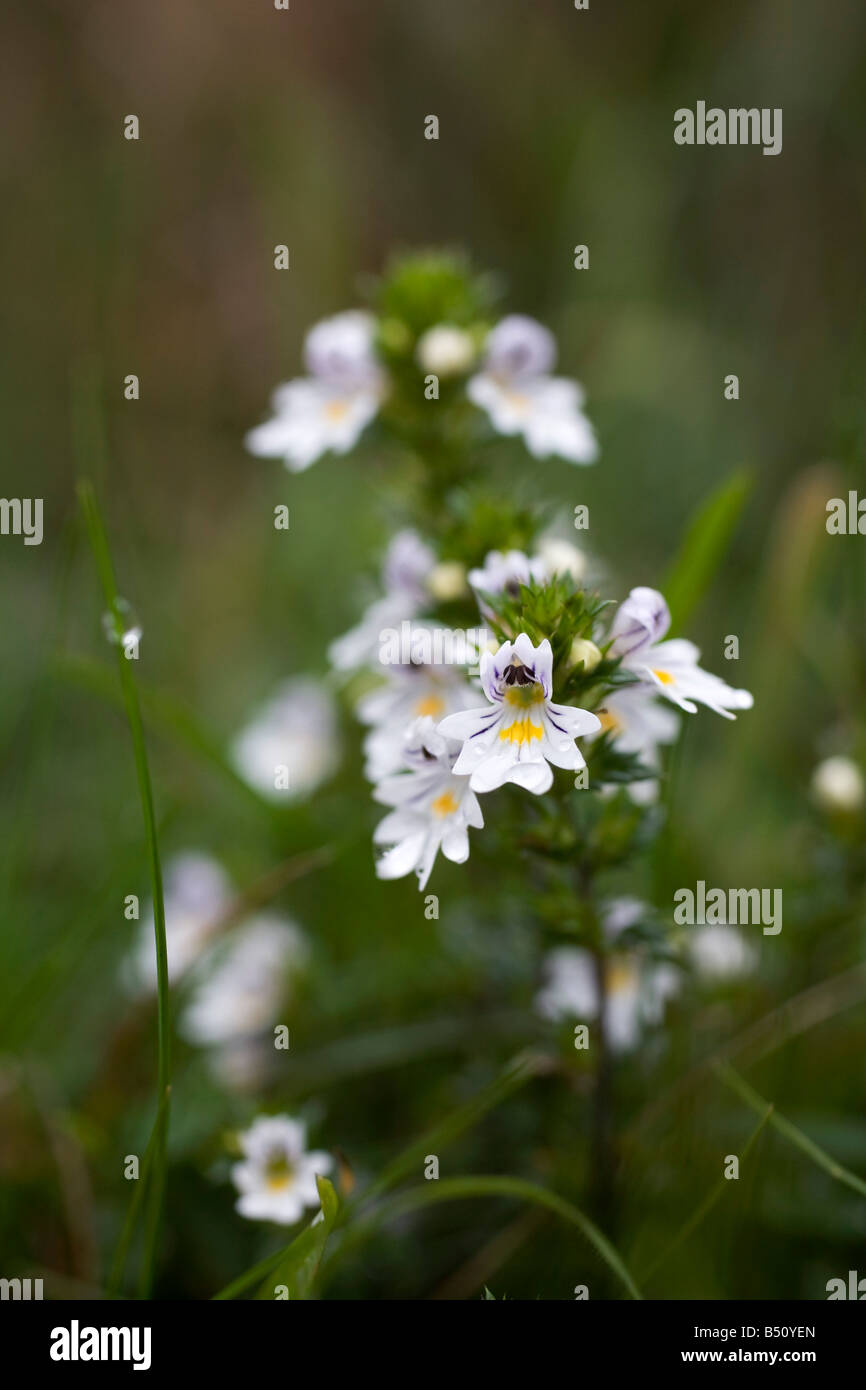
(703, 547)
(704, 1207)
(522, 1069)
(458, 1189)
(794, 1135)
(102, 556)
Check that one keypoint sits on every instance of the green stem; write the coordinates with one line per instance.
(105, 568)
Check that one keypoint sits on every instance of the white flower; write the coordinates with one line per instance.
(196, 894)
(520, 396)
(636, 991)
(522, 731)
(639, 724)
(446, 350)
(409, 693)
(242, 995)
(433, 808)
(720, 952)
(561, 557)
(838, 786)
(331, 408)
(405, 573)
(277, 1178)
(293, 739)
(670, 668)
(503, 572)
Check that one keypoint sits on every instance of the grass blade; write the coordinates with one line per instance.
(102, 556)
(703, 547)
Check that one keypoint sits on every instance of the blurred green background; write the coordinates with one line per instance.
(261, 127)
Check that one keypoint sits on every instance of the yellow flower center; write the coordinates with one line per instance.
(335, 411)
(444, 805)
(664, 676)
(619, 975)
(524, 696)
(609, 722)
(430, 704)
(278, 1173)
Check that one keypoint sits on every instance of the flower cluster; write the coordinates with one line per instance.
(347, 382)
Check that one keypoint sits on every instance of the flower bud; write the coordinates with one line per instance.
(582, 650)
(838, 786)
(561, 557)
(447, 581)
(446, 350)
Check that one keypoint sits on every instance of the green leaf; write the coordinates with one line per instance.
(299, 1263)
(704, 546)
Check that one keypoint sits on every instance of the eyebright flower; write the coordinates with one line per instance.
(409, 692)
(433, 808)
(330, 408)
(720, 952)
(241, 996)
(406, 571)
(197, 893)
(503, 572)
(670, 668)
(520, 397)
(521, 732)
(636, 991)
(277, 1178)
(639, 724)
(295, 731)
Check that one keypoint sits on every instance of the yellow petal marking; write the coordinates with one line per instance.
(444, 805)
(664, 676)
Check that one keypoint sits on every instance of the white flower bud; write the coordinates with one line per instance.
(587, 652)
(446, 350)
(561, 557)
(838, 785)
(447, 581)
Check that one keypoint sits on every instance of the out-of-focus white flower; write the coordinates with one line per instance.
(521, 732)
(433, 808)
(636, 991)
(447, 581)
(242, 1064)
(503, 572)
(292, 740)
(838, 786)
(640, 725)
(405, 573)
(277, 1177)
(561, 557)
(520, 397)
(408, 693)
(670, 668)
(242, 995)
(446, 350)
(720, 952)
(330, 408)
(196, 894)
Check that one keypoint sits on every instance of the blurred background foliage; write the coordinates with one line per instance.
(156, 257)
